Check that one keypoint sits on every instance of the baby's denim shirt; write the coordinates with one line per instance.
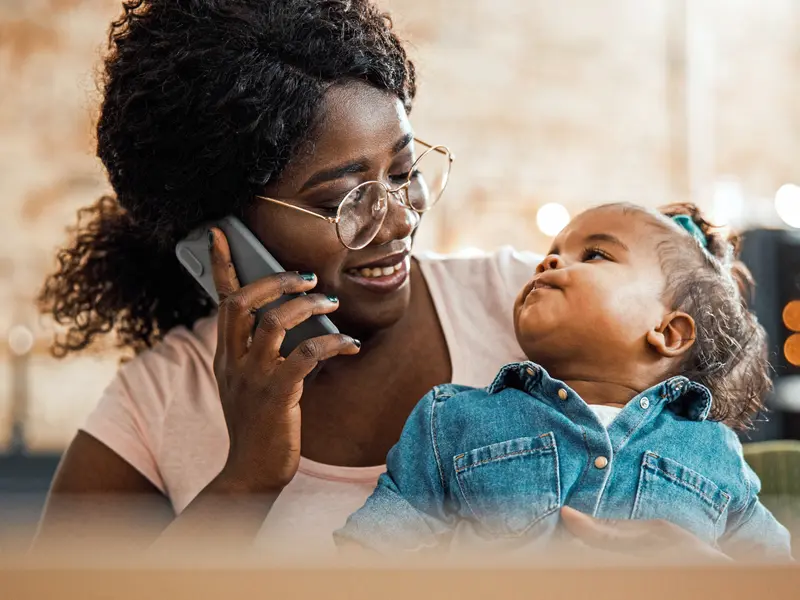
(507, 457)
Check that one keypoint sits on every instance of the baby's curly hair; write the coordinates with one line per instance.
(205, 101)
(730, 353)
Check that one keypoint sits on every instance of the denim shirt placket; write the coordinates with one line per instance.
(599, 453)
(601, 444)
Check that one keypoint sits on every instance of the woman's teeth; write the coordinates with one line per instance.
(377, 271)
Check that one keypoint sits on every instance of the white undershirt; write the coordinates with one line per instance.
(605, 414)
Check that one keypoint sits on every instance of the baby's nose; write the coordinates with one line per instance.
(550, 262)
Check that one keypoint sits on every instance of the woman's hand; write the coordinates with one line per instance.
(646, 539)
(260, 391)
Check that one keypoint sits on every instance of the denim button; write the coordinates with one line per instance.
(644, 403)
(562, 393)
(530, 371)
(601, 462)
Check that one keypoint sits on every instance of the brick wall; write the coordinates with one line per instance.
(575, 101)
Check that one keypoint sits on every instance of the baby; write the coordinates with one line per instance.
(646, 357)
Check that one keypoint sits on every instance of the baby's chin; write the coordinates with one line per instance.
(535, 344)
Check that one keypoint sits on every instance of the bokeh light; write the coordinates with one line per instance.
(791, 315)
(552, 218)
(20, 340)
(787, 204)
(791, 349)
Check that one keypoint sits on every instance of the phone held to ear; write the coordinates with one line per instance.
(252, 262)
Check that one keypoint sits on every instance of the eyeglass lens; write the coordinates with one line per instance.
(364, 209)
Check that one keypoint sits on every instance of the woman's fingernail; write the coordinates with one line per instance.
(307, 276)
(332, 298)
(357, 343)
(210, 239)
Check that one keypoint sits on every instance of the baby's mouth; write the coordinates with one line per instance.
(540, 285)
(537, 287)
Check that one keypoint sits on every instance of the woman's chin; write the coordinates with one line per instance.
(365, 319)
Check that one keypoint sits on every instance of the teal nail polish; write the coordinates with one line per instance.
(210, 239)
(357, 343)
(307, 276)
(332, 298)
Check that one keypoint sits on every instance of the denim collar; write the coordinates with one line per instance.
(686, 398)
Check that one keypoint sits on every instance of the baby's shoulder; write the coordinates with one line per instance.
(449, 399)
(463, 410)
(452, 398)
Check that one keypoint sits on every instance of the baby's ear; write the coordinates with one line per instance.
(674, 336)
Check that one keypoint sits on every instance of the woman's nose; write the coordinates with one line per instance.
(400, 221)
(550, 262)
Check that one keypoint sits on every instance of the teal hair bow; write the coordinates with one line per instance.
(689, 225)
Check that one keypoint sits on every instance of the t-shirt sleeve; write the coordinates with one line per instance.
(130, 415)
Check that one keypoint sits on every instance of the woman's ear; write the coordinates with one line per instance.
(674, 336)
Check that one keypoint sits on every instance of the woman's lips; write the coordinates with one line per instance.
(383, 280)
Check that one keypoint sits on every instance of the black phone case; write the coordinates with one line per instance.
(252, 262)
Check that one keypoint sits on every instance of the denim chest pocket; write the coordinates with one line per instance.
(668, 490)
(511, 485)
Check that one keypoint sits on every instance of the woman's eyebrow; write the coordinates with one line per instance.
(402, 143)
(357, 166)
(360, 165)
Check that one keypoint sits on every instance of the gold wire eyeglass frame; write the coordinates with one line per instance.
(400, 192)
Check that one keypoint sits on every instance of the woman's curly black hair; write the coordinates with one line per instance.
(730, 352)
(204, 102)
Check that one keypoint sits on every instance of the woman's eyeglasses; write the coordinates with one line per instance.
(361, 212)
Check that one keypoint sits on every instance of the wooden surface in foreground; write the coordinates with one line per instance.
(729, 583)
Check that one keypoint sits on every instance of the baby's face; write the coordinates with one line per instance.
(597, 293)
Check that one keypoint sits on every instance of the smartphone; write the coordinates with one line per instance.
(252, 262)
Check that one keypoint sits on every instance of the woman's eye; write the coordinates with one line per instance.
(329, 207)
(357, 195)
(400, 178)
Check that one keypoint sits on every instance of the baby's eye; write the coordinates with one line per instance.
(594, 254)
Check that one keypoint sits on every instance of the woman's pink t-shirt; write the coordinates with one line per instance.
(161, 412)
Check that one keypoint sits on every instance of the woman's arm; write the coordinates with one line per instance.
(98, 495)
(98, 501)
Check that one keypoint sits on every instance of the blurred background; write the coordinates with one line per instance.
(550, 107)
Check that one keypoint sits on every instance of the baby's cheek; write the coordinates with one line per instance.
(632, 314)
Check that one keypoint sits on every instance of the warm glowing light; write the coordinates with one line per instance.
(787, 204)
(552, 218)
(791, 349)
(791, 315)
(20, 340)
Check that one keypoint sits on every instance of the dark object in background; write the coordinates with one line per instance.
(24, 481)
(773, 257)
(777, 464)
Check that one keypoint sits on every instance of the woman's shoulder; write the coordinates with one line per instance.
(178, 368)
(181, 349)
(161, 402)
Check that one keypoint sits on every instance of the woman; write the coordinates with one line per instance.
(258, 109)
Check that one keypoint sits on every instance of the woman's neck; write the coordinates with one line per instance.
(354, 411)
